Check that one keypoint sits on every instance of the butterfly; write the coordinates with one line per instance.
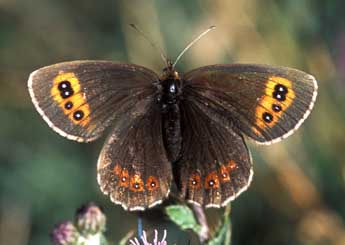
(172, 129)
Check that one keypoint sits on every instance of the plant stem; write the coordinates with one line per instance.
(140, 226)
(204, 234)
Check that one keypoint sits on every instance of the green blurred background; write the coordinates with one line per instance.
(298, 192)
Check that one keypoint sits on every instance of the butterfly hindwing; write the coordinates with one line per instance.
(264, 102)
(79, 99)
(133, 168)
(215, 165)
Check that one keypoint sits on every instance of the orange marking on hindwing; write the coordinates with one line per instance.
(224, 174)
(195, 181)
(212, 180)
(136, 184)
(152, 183)
(117, 170)
(266, 103)
(231, 165)
(124, 178)
(73, 103)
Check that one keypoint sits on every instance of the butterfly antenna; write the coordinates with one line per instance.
(192, 43)
(163, 56)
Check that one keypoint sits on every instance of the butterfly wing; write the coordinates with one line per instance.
(79, 99)
(264, 102)
(132, 168)
(215, 166)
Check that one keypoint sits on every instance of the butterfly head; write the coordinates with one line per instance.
(169, 72)
(169, 88)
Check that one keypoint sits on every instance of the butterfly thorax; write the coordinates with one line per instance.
(168, 98)
(170, 89)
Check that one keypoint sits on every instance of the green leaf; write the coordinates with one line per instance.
(183, 216)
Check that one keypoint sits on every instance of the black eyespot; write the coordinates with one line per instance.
(64, 85)
(68, 105)
(276, 108)
(267, 117)
(279, 96)
(78, 115)
(281, 89)
(66, 93)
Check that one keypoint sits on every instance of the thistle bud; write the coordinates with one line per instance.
(65, 233)
(90, 219)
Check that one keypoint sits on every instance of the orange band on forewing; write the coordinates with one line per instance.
(78, 98)
(267, 101)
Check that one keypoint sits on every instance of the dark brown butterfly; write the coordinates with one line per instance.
(187, 129)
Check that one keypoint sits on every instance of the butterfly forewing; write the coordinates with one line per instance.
(132, 168)
(215, 166)
(264, 102)
(80, 99)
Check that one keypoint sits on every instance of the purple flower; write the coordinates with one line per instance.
(155, 240)
(65, 233)
(90, 219)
